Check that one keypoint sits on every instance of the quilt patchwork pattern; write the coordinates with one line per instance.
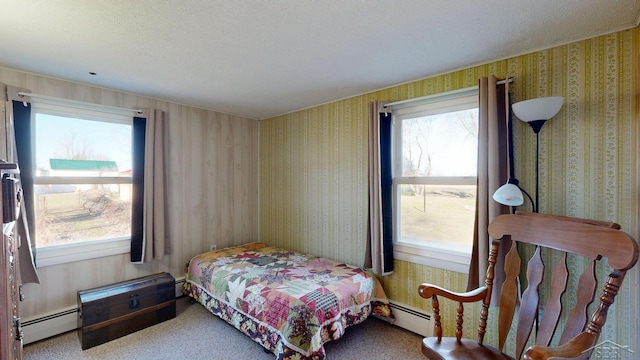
(290, 303)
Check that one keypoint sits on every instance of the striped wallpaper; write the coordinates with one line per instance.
(313, 165)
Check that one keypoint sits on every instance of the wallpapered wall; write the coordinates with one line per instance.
(313, 165)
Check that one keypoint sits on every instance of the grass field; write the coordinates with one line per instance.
(74, 216)
(441, 213)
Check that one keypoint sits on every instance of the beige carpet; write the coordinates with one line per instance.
(197, 334)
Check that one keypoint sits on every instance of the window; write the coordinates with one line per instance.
(434, 183)
(82, 182)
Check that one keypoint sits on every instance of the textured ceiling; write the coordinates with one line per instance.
(258, 58)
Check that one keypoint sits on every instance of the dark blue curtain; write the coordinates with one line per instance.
(137, 198)
(386, 182)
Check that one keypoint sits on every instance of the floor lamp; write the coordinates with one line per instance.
(535, 112)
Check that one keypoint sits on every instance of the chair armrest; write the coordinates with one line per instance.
(428, 290)
(578, 347)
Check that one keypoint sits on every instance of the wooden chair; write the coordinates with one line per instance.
(593, 240)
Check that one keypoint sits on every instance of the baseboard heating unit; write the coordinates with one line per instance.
(179, 283)
(50, 324)
(412, 319)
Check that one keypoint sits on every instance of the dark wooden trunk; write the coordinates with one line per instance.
(113, 311)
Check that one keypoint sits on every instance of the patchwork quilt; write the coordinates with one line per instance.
(290, 303)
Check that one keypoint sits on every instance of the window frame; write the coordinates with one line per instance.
(436, 254)
(87, 249)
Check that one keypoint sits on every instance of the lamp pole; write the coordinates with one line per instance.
(536, 125)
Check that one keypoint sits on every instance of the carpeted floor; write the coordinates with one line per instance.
(197, 334)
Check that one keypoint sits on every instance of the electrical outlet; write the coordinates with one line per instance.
(212, 247)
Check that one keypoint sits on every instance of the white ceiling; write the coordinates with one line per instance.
(261, 58)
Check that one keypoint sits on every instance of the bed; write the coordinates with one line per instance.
(288, 302)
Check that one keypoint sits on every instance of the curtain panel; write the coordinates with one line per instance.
(149, 225)
(379, 244)
(17, 149)
(492, 173)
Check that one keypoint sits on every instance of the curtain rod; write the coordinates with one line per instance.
(80, 104)
(470, 88)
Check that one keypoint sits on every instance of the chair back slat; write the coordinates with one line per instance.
(553, 307)
(509, 294)
(585, 293)
(529, 304)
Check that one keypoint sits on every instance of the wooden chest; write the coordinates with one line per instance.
(113, 311)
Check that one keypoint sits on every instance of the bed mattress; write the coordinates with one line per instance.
(290, 303)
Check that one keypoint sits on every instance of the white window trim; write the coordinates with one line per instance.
(86, 250)
(436, 257)
(436, 254)
(91, 249)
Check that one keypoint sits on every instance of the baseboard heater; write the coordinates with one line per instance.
(179, 283)
(412, 319)
(61, 321)
(50, 324)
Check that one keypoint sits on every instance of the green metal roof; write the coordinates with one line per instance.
(83, 165)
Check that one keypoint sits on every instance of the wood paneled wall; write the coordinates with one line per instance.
(213, 191)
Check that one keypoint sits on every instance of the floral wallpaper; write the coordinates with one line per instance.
(313, 165)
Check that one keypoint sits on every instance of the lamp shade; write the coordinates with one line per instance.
(538, 109)
(509, 194)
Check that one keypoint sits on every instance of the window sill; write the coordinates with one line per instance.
(434, 256)
(67, 253)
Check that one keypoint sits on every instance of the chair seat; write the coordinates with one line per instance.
(451, 349)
